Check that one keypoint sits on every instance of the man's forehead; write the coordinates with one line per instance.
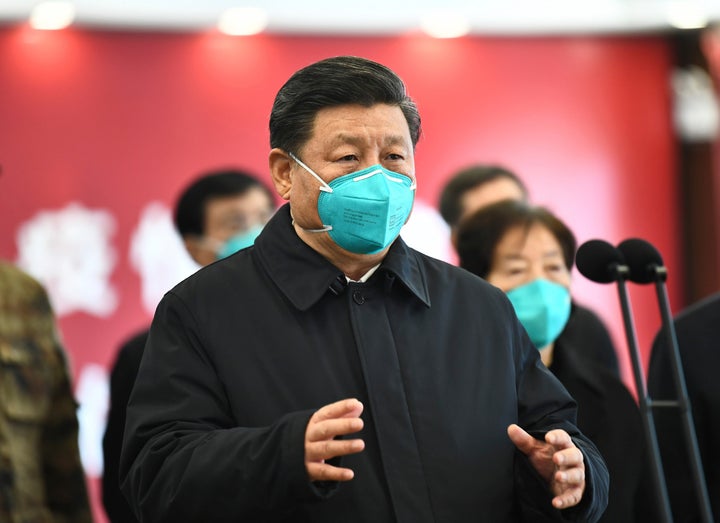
(354, 124)
(248, 201)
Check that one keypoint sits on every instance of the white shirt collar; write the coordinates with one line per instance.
(365, 276)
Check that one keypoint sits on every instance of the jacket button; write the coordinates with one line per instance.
(358, 297)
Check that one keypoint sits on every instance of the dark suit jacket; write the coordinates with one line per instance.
(698, 331)
(122, 378)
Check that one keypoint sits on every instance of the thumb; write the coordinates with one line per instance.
(522, 440)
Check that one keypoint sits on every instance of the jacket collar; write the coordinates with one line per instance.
(304, 276)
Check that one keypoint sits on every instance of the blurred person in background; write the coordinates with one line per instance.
(698, 330)
(477, 186)
(528, 253)
(41, 476)
(219, 213)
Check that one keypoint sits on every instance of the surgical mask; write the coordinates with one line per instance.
(238, 242)
(364, 211)
(543, 308)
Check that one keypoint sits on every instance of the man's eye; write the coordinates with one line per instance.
(236, 224)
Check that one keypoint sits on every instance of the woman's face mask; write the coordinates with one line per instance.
(364, 211)
(543, 308)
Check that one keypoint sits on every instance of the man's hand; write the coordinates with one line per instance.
(336, 419)
(556, 459)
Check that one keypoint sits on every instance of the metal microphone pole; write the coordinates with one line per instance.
(683, 402)
(646, 265)
(647, 417)
(601, 262)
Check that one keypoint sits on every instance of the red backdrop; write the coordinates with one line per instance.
(113, 121)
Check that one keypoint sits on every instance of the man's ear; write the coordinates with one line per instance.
(453, 237)
(281, 171)
(196, 251)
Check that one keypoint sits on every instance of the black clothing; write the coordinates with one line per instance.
(697, 329)
(122, 378)
(243, 352)
(610, 417)
(586, 334)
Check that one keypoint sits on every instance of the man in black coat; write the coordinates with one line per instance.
(330, 372)
(218, 212)
(698, 330)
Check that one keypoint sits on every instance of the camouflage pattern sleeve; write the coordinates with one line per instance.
(41, 477)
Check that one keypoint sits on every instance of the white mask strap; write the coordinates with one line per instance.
(412, 187)
(325, 187)
(324, 228)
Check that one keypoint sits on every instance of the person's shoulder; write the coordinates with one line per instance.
(130, 353)
(435, 268)
(460, 285)
(704, 312)
(697, 329)
(136, 342)
(586, 316)
(219, 274)
(596, 378)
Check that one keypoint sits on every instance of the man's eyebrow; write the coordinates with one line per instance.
(352, 139)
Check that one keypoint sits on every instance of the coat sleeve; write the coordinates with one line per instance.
(184, 458)
(544, 405)
(65, 487)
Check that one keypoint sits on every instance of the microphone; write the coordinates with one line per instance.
(601, 262)
(644, 261)
(646, 265)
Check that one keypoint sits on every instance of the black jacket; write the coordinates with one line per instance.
(122, 378)
(610, 417)
(698, 330)
(241, 354)
(587, 335)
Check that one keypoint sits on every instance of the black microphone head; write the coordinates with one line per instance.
(598, 261)
(642, 259)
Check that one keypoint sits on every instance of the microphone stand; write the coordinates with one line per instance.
(683, 403)
(621, 274)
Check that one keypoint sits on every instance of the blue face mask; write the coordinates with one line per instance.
(543, 308)
(239, 241)
(364, 211)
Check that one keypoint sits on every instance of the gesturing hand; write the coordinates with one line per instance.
(556, 459)
(337, 419)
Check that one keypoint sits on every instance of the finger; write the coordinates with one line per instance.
(333, 448)
(559, 438)
(340, 409)
(522, 440)
(330, 429)
(570, 457)
(569, 498)
(325, 472)
(570, 478)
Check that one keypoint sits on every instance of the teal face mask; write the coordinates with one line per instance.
(543, 308)
(364, 211)
(239, 241)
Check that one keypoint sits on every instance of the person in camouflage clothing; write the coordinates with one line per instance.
(41, 477)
